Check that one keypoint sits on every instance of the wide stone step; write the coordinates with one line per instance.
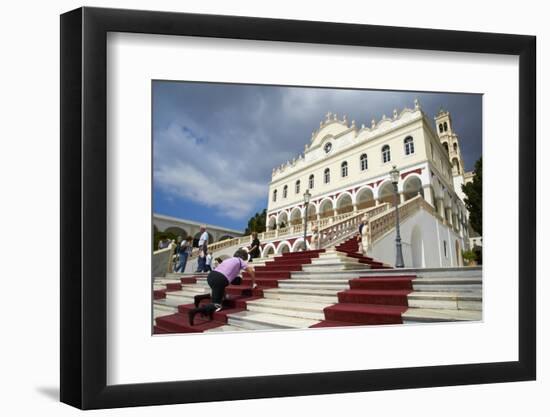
(327, 284)
(447, 287)
(343, 266)
(301, 309)
(333, 275)
(426, 315)
(227, 328)
(446, 300)
(168, 302)
(303, 294)
(252, 320)
(180, 297)
(160, 311)
(194, 288)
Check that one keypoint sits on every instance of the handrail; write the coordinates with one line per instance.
(382, 223)
(340, 230)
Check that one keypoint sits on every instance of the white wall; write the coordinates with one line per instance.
(433, 234)
(30, 176)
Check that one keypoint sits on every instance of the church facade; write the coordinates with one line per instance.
(346, 168)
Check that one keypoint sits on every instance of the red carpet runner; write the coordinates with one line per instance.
(370, 300)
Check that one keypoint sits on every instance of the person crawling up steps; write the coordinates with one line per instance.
(225, 273)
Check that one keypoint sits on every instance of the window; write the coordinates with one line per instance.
(440, 128)
(311, 181)
(455, 147)
(446, 146)
(344, 169)
(409, 145)
(364, 162)
(275, 195)
(445, 126)
(327, 176)
(285, 191)
(386, 157)
(432, 149)
(445, 248)
(298, 187)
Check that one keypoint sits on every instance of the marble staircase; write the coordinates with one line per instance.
(325, 288)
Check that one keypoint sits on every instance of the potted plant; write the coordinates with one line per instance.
(469, 257)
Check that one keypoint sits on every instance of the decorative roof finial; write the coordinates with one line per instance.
(328, 116)
(334, 116)
(353, 123)
(345, 120)
(395, 113)
(362, 125)
(416, 104)
(373, 123)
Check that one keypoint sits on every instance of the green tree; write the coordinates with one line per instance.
(474, 198)
(256, 223)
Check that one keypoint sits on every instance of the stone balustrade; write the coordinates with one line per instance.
(383, 223)
(347, 225)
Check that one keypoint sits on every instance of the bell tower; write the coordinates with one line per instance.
(449, 140)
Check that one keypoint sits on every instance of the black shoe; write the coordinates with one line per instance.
(199, 298)
(191, 315)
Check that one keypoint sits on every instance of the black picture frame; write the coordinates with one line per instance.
(84, 207)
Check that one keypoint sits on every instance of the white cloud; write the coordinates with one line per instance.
(189, 167)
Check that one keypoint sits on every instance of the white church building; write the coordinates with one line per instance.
(346, 170)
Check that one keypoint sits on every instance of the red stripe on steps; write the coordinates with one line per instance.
(381, 283)
(365, 313)
(385, 297)
(159, 294)
(186, 280)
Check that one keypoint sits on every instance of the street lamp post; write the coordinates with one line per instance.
(307, 196)
(394, 174)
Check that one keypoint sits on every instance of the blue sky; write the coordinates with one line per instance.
(214, 145)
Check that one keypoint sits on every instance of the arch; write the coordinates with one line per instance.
(386, 153)
(177, 231)
(412, 187)
(344, 169)
(417, 247)
(365, 198)
(386, 193)
(282, 219)
(299, 244)
(344, 203)
(364, 162)
(269, 249)
(295, 216)
(456, 165)
(272, 223)
(326, 175)
(311, 182)
(326, 208)
(311, 211)
(283, 247)
(408, 142)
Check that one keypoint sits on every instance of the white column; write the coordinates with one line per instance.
(428, 195)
